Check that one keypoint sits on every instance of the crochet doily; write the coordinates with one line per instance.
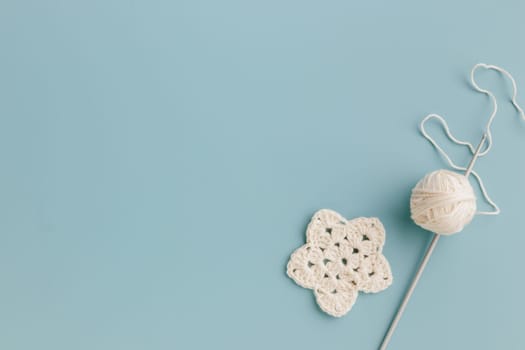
(340, 258)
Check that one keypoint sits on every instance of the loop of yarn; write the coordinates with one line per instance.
(443, 202)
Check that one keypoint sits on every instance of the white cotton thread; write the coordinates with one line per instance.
(443, 201)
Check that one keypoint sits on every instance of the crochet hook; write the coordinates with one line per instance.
(423, 264)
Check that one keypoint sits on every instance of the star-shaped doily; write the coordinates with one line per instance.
(340, 258)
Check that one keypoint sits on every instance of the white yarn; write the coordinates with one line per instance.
(443, 201)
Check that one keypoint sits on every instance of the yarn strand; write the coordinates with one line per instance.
(487, 134)
(494, 100)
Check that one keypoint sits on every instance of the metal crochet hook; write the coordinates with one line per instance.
(428, 253)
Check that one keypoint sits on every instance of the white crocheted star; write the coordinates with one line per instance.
(340, 258)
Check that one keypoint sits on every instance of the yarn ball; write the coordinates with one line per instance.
(443, 202)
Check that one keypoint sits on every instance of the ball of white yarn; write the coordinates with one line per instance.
(443, 202)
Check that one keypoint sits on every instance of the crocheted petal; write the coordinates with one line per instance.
(320, 228)
(331, 253)
(306, 266)
(368, 248)
(348, 252)
(343, 256)
(375, 274)
(335, 298)
(338, 233)
(369, 230)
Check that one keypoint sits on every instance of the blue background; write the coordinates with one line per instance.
(161, 159)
